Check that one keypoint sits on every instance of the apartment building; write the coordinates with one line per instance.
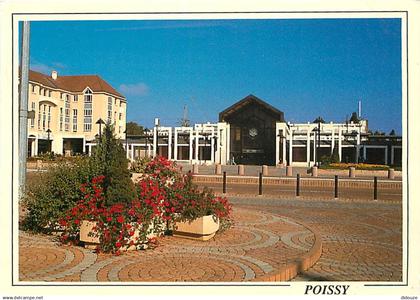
(65, 111)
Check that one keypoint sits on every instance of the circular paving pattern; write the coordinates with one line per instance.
(258, 244)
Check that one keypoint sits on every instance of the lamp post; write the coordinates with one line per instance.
(126, 143)
(146, 132)
(100, 122)
(281, 137)
(48, 139)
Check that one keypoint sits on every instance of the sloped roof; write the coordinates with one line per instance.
(74, 84)
(247, 101)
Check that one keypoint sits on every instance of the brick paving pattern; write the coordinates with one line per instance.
(259, 243)
(361, 241)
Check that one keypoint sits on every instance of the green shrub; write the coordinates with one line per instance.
(110, 158)
(53, 192)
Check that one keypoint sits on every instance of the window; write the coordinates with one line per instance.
(120, 117)
(33, 109)
(76, 98)
(45, 92)
(39, 116)
(115, 116)
(74, 120)
(33, 88)
(87, 120)
(67, 114)
(109, 109)
(49, 116)
(49, 93)
(115, 102)
(40, 91)
(61, 119)
(43, 116)
(119, 130)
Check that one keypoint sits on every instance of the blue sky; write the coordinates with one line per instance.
(305, 68)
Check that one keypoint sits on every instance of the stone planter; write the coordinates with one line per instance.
(203, 228)
(91, 240)
(88, 235)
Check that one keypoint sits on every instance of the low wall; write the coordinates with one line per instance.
(304, 182)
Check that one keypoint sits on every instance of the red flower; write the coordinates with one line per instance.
(120, 219)
(77, 221)
(109, 219)
(118, 244)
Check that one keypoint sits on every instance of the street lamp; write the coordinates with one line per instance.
(48, 139)
(282, 137)
(146, 132)
(100, 122)
(126, 142)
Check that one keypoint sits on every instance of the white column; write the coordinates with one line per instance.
(308, 146)
(291, 147)
(332, 141)
(314, 149)
(36, 147)
(170, 143)
(90, 149)
(132, 151)
(175, 144)
(277, 145)
(212, 146)
(191, 140)
(155, 140)
(84, 145)
(197, 144)
(34, 141)
(283, 141)
(358, 145)
(339, 143)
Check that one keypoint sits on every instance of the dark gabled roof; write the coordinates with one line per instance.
(75, 84)
(247, 101)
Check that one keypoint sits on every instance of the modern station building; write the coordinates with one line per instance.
(253, 132)
(65, 110)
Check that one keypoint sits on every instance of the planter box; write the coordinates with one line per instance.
(203, 228)
(87, 235)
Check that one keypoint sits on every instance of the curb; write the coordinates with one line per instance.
(299, 265)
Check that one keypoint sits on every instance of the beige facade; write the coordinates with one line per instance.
(69, 107)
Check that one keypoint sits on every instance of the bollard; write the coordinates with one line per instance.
(265, 170)
(224, 182)
(336, 186)
(39, 164)
(289, 171)
(218, 169)
(241, 170)
(260, 184)
(352, 172)
(375, 188)
(314, 171)
(297, 185)
(195, 169)
(391, 174)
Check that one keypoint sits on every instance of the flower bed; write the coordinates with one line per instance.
(163, 196)
(360, 166)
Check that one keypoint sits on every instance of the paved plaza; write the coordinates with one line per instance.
(360, 241)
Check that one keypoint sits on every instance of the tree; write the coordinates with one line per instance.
(319, 120)
(354, 118)
(110, 159)
(133, 128)
(392, 132)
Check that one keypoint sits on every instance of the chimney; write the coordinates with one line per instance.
(54, 74)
